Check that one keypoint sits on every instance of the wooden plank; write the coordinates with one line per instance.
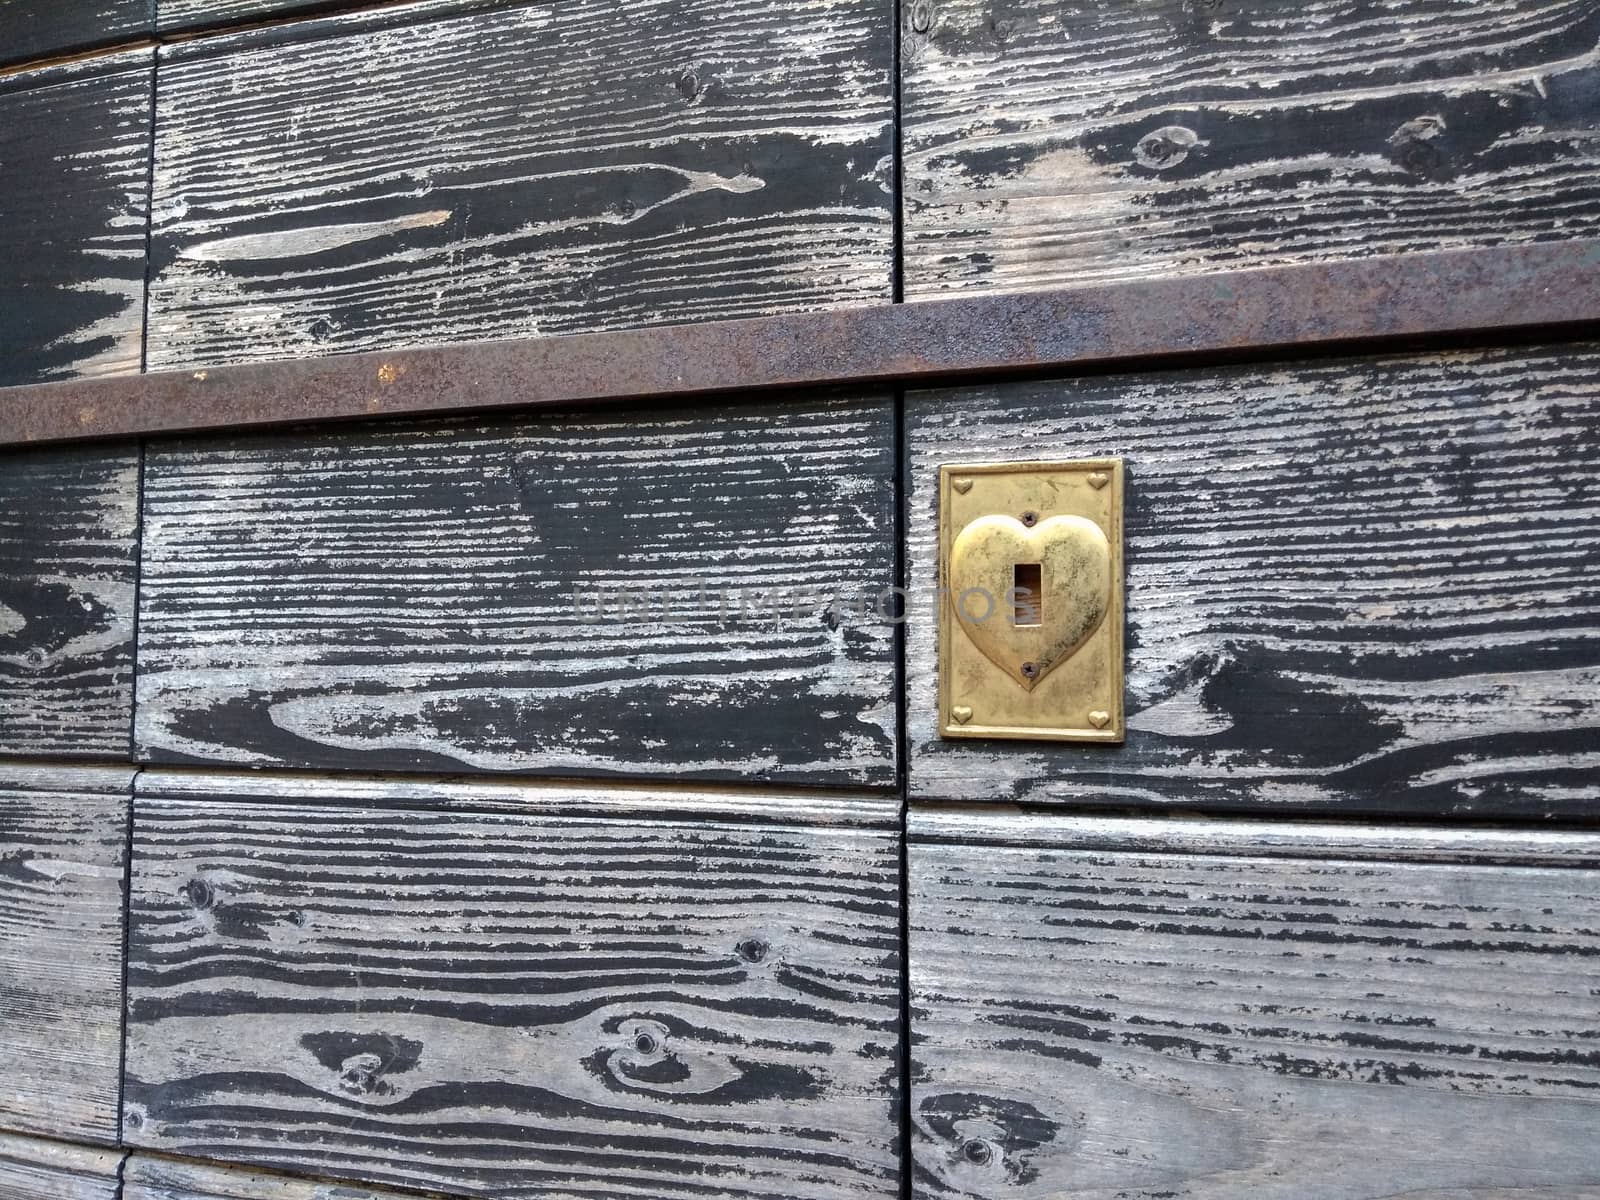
(36, 29)
(1276, 838)
(304, 19)
(68, 540)
(219, 14)
(1102, 1025)
(1048, 144)
(36, 1170)
(63, 837)
(147, 1178)
(666, 800)
(451, 595)
(568, 167)
(73, 238)
(515, 1006)
(1363, 585)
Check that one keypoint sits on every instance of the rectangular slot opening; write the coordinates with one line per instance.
(1027, 596)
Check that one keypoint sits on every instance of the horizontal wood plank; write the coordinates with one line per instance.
(1048, 144)
(516, 1006)
(68, 542)
(228, 25)
(1364, 585)
(175, 15)
(39, 29)
(589, 594)
(148, 1178)
(31, 1169)
(63, 838)
(1508, 845)
(543, 169)
(663, 800)
(1131, 1026)
(76, 146)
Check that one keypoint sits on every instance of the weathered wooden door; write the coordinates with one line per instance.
(438, 756)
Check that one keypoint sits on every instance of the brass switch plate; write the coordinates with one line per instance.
(1039, 547)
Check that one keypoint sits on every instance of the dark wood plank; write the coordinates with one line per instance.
(35, 29)
(147, 1178)
(546, 169)
(63, 839)
(1102, 1025)
(75, 141)
(515, 1006)
(1365, 585)
(1050, 143)
(68, 541)
(37, 1170)
(174, 15)
(309, 18)
(303, 20)
(450, 595)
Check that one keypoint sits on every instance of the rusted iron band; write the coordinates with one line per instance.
(1273, 308)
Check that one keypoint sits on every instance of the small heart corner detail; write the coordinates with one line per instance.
(961, 485)
(962, 713)
(1098, 480)
(1099, 719)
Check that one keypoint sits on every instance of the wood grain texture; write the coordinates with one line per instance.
(448, 595)
(63, 841)
(515, 1006)
(1047, 144)
(38, 1170)
(219, 14)
(147, 1178)
(68, 541)
(569, 167)
(279, 21)
(35, 29)
(666, 800)
(1107, 1026)
(1273, 837)
(1366, 585)
(75, 142)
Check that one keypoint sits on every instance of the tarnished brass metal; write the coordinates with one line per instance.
(1030, 609)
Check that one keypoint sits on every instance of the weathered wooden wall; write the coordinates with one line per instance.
(39, 29)
(570, 594)
(514, 1004)
(791, 944)
(146, 1178)
(577, 166)
(1138, 1024)
(1362, 585)
(1048, 143)
(33, 1169)
(75, 149)
(68, 519)
(63, 855)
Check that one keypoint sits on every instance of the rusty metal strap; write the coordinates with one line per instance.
(1274, 308)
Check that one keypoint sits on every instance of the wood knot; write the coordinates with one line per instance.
(922, 16)
(1415, 146)
(359, 1074)
(362, 1063)
(752, 950)
(1166, 147)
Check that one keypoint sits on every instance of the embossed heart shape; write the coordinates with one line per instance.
(1074, 560)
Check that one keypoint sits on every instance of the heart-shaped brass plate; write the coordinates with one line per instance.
(1074, 559)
